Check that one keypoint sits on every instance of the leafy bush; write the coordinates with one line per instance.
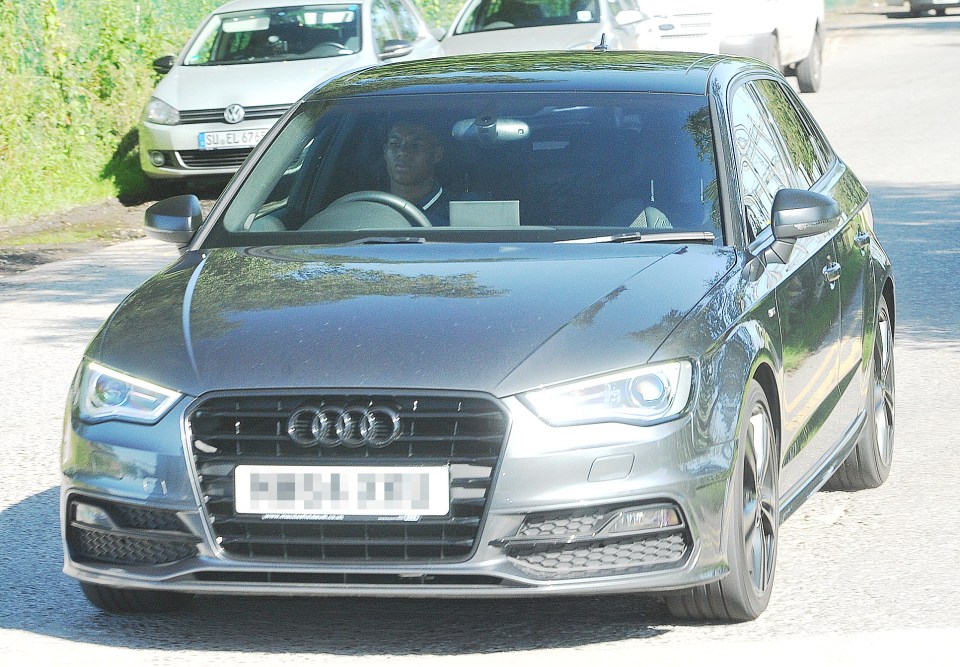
(74, 76)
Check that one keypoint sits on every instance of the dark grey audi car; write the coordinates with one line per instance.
(641, 318)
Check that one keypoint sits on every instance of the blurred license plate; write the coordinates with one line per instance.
(347, 490)
(230, 139)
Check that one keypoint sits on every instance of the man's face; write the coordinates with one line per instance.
(411, 152)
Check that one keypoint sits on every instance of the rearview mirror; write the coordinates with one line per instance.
(489, 128)
(174, 219)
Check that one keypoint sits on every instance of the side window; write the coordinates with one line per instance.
(383, 24)
(808, 154)
(761, 166)
(407, 20)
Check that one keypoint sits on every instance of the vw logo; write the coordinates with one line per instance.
(355, 426)
(233, 113)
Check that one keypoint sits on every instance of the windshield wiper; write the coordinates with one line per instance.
(649, 237)
(375, 240)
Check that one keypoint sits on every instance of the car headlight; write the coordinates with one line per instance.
(643, 396)
(108, 394)
(158, 111)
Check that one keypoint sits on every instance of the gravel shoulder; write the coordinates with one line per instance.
(71, 233)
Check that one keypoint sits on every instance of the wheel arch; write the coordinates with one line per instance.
(765, 376)
(887, 292)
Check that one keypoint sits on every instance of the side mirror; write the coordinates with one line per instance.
(174, 219)
(800, 213)
(396, 48)
(797, 214)
(163, 64)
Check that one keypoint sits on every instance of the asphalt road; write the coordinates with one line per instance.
(871, 576)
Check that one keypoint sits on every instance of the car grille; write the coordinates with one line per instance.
(216, 115)
(568, 544)
(465, 432)
(230, 158)
(629, 554)
(141, 536)
(689, 24)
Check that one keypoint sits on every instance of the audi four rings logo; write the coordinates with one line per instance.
(355, 426)
(233, 113)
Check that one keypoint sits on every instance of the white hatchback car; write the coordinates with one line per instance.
(499, 26)
(249, 61)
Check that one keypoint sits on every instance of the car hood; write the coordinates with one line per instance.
(249, 84)
(495, 318)
(540, 38)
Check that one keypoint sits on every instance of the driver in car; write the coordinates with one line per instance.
(412, 152)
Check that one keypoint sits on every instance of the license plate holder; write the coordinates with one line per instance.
(372, 491)
(210, 141)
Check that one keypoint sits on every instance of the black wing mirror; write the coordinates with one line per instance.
(174, 219)
(163, 64)
(797, 214)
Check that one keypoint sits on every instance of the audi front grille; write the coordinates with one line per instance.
(465, 433)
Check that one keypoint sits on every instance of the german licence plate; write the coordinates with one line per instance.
(346, 490)
(230, 139)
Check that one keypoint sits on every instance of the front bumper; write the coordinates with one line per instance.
(551, 483)
(178, 146)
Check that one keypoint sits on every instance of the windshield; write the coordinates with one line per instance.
(281, 33)
(482, 167)
(502, 14)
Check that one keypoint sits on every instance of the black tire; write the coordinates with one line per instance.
(868, 465)
(132, 600)
(809, 70)
(744, 592)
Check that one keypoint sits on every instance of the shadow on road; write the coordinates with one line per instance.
(919, 226)
(38, 598)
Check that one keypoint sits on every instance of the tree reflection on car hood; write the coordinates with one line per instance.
(496, 318)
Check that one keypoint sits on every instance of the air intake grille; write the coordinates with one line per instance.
(465, 433)
(99, 545)
(226, 158)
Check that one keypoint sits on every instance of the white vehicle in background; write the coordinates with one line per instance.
(787, 34)
(248, 62)
(499, 26)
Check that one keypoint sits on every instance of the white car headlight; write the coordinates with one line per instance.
(158, 111)
(643, 396)
(108, 394)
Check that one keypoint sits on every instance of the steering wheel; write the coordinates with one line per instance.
(410, 212)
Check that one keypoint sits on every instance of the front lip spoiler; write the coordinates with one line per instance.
(507, 587)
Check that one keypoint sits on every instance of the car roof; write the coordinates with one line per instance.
(241, 5)
(597, 71)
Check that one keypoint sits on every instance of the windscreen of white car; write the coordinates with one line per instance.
(505, 14)
(287, 33)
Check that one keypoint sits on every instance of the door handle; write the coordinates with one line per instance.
(861, 240)
(831, 273)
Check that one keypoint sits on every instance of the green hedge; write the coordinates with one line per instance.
(74, 76)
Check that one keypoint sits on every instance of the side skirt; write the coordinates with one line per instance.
(826, 466)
